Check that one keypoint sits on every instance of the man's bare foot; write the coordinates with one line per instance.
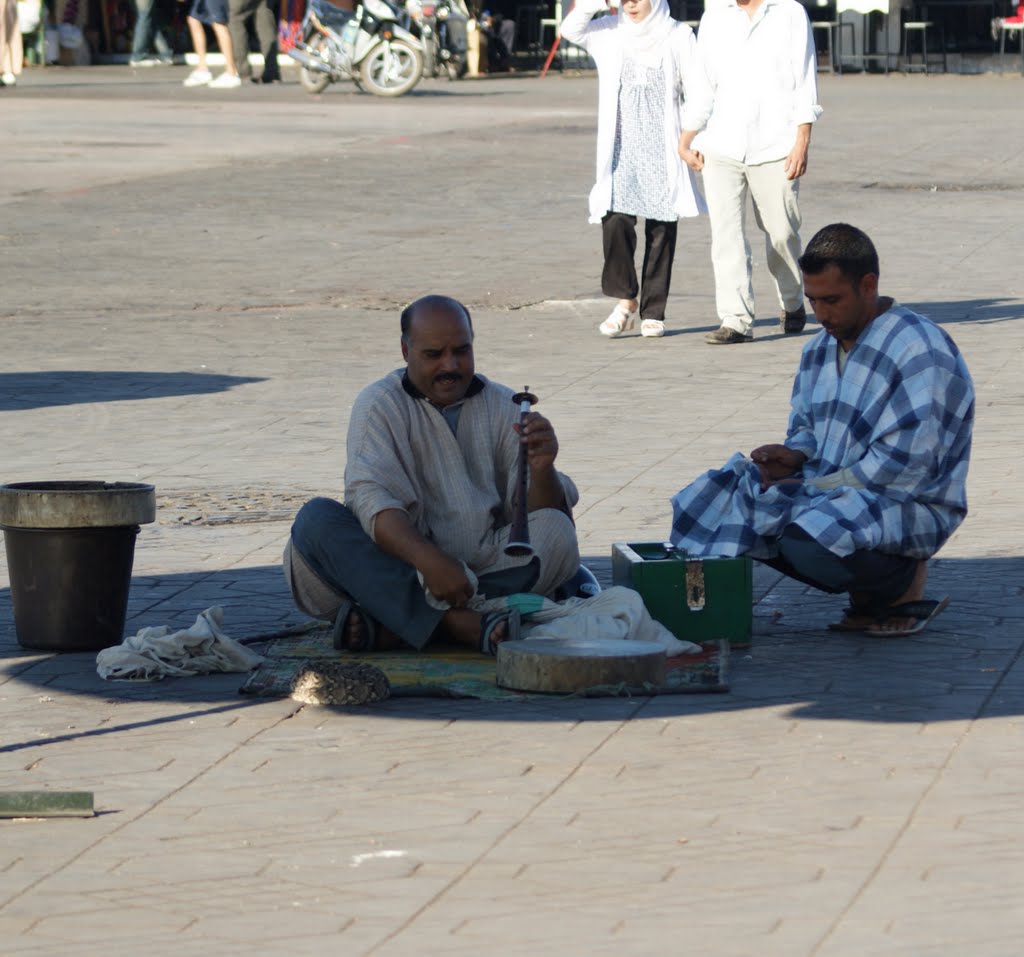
(852, 621)
(463, 627)
(914, 593)
(906, 615)
(867, 620)
(355, 636)
(858, 617)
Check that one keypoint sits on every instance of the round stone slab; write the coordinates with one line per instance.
(564, 666)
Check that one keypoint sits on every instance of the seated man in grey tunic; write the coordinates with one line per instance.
(432, 460)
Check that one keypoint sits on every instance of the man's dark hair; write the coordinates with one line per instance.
(431, 302)
(844, 246)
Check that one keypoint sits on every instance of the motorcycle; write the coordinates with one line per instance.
(367, 46)
(441, 28)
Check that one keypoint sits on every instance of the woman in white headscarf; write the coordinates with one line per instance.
(644, 59)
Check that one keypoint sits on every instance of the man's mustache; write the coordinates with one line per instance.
(448, 377)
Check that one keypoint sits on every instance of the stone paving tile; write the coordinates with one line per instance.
(848, 796)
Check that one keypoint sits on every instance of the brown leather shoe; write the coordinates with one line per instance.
(794, 322)
(726, 337)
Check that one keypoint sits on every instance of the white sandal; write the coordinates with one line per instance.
(652, 328)
(618, 322)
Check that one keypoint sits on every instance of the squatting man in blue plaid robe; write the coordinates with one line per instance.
(870, 481)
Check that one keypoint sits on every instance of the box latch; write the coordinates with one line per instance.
(695, 584)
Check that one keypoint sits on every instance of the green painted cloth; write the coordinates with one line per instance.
(457, 673)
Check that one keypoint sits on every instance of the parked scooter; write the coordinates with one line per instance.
(367, 46)
(441, 26)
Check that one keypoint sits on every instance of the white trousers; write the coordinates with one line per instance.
(726, 185)
(11, 53)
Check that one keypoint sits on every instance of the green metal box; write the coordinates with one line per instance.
(696, 599)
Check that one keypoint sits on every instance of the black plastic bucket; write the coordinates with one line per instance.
(70, 549)
(69, 586)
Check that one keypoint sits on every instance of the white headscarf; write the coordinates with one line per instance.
(645, 41)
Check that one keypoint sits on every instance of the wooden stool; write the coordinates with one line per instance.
(921, 27)
(833, 42)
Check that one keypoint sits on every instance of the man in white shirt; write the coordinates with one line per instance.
(747, 127)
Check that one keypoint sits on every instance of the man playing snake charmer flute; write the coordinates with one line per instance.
(433, 453)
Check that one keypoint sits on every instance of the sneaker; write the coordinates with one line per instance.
(8, 79)
(726, 337)
(226, 81)
(794, 322)
(198, 78)
(144, 61)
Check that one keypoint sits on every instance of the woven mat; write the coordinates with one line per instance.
(454, 673)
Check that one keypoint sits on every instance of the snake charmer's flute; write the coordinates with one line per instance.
(519, 533)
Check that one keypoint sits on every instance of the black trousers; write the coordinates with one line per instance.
(265, 22)
(619, 279)
(877, 578)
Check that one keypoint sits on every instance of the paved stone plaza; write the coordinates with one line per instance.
(197, 284)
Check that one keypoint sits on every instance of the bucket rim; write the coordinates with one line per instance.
(75, 486)
(76, 504)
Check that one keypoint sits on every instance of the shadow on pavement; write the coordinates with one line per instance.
(963, 667)
(106, 730)
(943, 313)
(35, 390)
(433, 92)
(969, 310)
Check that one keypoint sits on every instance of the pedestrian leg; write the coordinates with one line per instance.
(659, 253)
(239, 12)
(198, 34)
(266, 35)
(778, 216)
(220, 31)
(725, 189)
(618, 277)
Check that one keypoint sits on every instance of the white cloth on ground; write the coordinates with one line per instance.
(156, 652)
(614, 613)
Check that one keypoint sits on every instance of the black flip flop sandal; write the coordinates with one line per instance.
(338, 633)
(490, 621)
(870, 610)
(922, 612)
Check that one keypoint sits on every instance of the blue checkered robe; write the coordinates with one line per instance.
(899, 417)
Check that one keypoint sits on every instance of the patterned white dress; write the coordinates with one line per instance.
(640, 184)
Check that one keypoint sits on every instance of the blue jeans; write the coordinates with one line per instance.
(880, 578)
(149, 18)
(332, 540)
